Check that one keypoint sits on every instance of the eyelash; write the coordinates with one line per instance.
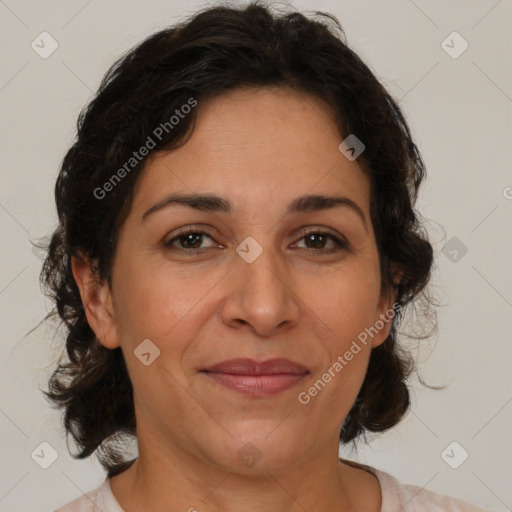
(342, 245)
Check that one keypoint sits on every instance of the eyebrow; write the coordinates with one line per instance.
(214, 203)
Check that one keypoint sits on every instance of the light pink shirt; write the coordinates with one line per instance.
(396, 497)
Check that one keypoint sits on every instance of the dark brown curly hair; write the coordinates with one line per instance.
(217, 50)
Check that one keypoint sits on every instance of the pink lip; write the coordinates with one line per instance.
(257, 379)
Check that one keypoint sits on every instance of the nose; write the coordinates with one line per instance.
(261, 296)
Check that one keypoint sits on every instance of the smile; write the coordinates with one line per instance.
(255, 378)
(257, 385)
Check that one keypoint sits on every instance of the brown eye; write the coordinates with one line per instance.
(317, 240)
(188, 241)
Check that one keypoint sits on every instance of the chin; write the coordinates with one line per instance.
(248, 455)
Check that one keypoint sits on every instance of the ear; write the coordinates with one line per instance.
(385, 309)
(97, 301)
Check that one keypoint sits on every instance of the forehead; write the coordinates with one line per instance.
(263, 146)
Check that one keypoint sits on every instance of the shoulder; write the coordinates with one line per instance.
(398, 497)
(100, 499)
(412, 498)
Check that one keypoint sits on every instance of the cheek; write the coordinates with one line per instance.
(347, 303)
(155, 301)
(169, 310)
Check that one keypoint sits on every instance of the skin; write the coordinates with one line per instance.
(260, 148)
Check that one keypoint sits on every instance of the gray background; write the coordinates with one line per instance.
(460, 112)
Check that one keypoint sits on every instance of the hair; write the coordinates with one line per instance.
(217, 50)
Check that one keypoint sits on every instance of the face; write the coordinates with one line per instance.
(270, 278)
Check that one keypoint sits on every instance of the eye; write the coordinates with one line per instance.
(189, 240)
(316, 241)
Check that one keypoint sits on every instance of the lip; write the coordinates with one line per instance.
(257, 378)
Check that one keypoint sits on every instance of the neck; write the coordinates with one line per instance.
(161, 481)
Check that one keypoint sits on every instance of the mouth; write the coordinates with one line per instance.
(252, 378)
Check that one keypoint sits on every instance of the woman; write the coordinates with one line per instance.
(236, 244)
